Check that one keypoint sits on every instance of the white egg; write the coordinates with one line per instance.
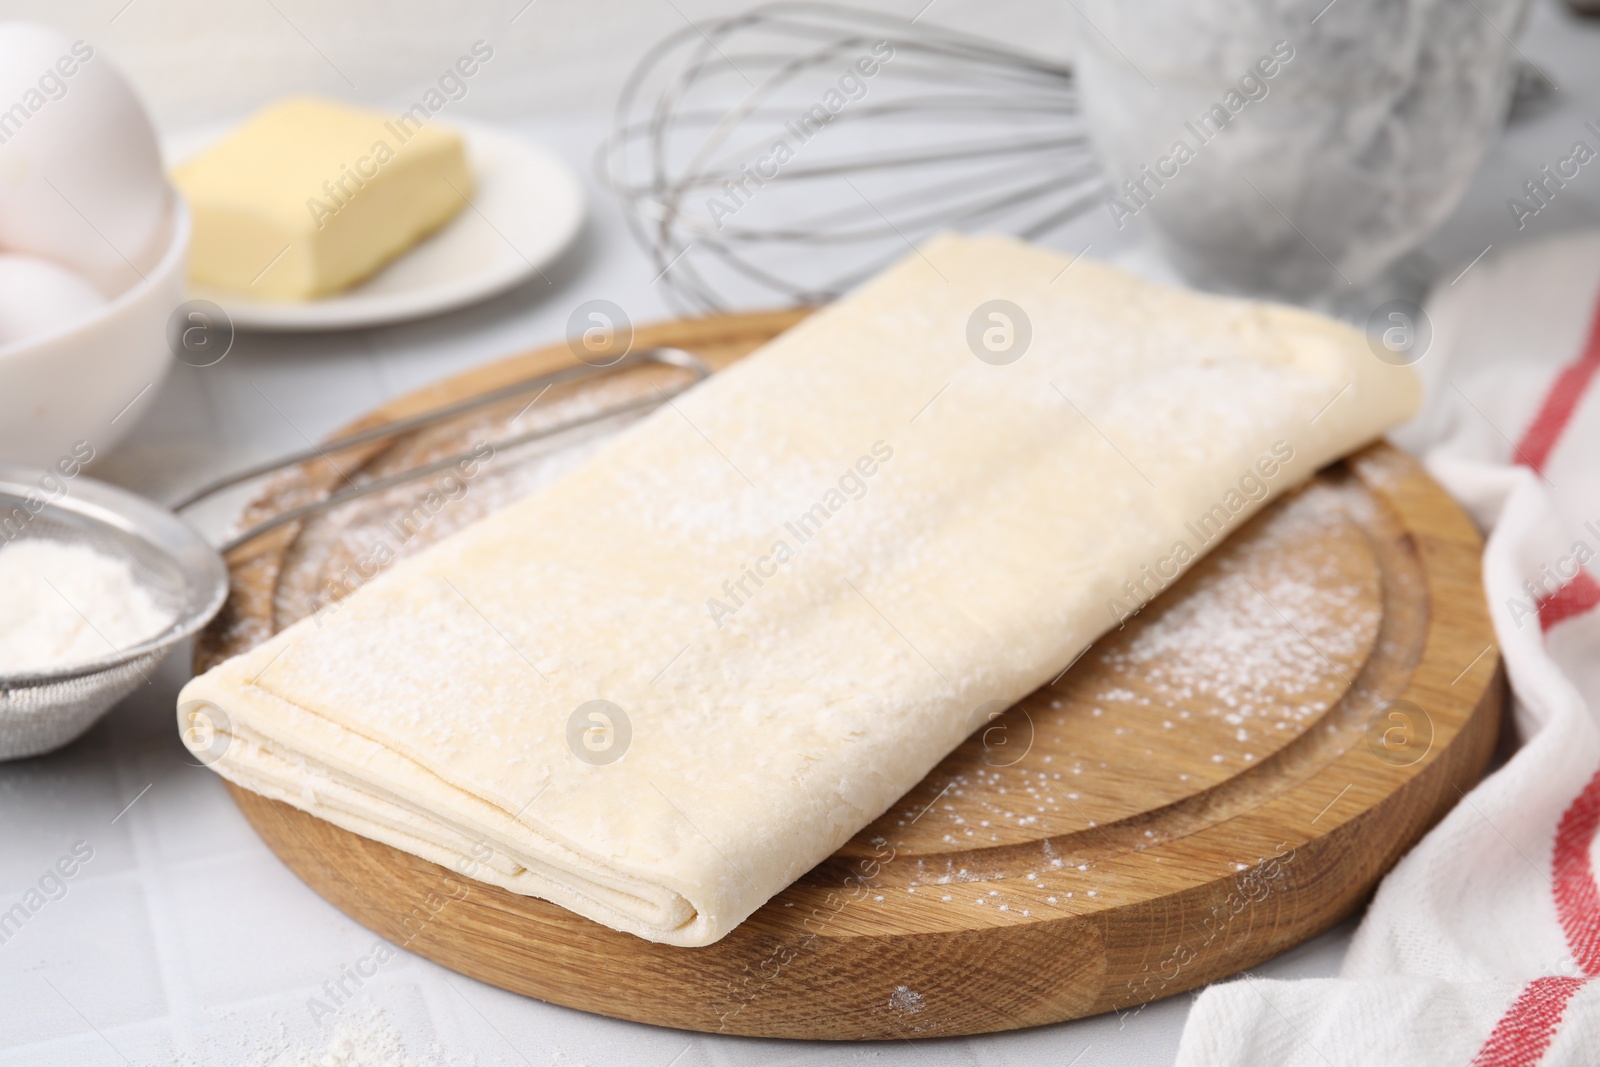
(80, 170)
(38, 296)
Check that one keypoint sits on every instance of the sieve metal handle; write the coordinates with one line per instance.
(661, 355)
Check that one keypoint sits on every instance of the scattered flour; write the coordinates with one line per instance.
(66, 604)
(365, 1043)
(906, 1001)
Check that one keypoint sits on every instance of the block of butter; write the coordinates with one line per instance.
(310, 196)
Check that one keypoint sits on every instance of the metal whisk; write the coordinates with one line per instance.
(796, 149)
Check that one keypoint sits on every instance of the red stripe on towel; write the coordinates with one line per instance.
(1577, 898)
(1525, 1031)
(1560, 402)
(1576, 597)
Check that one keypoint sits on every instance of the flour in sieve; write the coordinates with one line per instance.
(66, 604)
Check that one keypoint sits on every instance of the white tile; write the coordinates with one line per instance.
(249, 928)
(51, 802)
(192, 817)
(506, 1028)
(150, 1043)
(84, 961)
(260, 1030)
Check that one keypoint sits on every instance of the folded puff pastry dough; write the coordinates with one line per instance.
(1006, 507)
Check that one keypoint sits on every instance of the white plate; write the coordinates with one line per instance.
(526, 211)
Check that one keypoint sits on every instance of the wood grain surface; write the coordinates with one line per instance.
(1223, 777)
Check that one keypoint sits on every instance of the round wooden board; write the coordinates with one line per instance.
(1225, 776)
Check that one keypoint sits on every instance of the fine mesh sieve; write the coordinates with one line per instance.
(185, 575)
(43, 710)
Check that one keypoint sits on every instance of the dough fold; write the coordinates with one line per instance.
(795, 586)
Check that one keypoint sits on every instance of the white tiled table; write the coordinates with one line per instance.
(183, 940)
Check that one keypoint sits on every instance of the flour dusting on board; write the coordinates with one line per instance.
(1249, 652)
(1260, 631)
(906, 1001)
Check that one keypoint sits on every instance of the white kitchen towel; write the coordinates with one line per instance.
(1482, 946)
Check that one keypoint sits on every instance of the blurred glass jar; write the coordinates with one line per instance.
(1274, 150)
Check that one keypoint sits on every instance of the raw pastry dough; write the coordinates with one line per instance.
(798, 581)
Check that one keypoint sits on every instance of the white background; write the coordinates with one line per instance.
(200, 59)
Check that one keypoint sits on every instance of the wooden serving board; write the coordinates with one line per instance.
(1227, 775)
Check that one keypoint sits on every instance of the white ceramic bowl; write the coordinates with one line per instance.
(90, 380)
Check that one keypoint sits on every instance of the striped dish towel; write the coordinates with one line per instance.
(1482, 947)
